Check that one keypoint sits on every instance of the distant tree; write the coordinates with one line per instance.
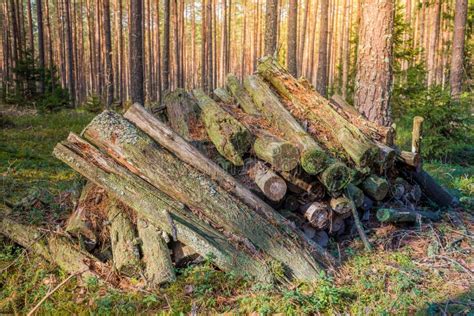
(109, 77)
(457, 58)
(70, 54)
(374, 61)
(271, 27)
(322, 74)
(291, 58)
(166, 45)
(136, 52)
(39, 21)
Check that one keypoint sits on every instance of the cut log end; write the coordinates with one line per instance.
(317, 214)
(313, 161)
(281, 155)
(376, 187)
(336, 177)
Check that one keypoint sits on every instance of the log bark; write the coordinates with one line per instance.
(241, 95)
(125, 250)
(304, 186)
(409, 158)
(282, 155)
(356, 194)
(156, 255)
(159, 209)
(58, 250)
(271, 184)
(229, 136)
(181, 110)
(313, 158)
(187, 153)
(341, 205)
(140, 154)
(383, 134)
(375, 187)
(223, 95)
(317, 110)
(390, 215)
(417, 134)
(317, 214)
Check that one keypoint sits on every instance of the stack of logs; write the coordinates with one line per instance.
(257, 177)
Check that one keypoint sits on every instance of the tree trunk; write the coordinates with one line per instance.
(313, 107)
(271, 27)
(39, 18)
(292, 39)
(109, 81)
(282, 155)
(230, 137)
(181, 110)
(159, 209)
(136, 52)
(457, 57)
(70, 56)
(374, 61)
(223, 95)
(241, 95)
(434, 37)
(322, 75)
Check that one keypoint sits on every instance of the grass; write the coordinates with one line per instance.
(407, 273)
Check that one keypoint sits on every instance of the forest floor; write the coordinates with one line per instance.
(414, 270)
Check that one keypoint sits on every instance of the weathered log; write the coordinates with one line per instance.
(317, 214)
(271, 184)
(58, 250)
(187, 153)
(409, 158)
(223, 95)
(291, 203)
(355, 194)
(390, 215)
(313, 190)
(230, 137)
(335, 177)
(183, 254)
(375, 187)
(383, 134)
(282, 155)
(313, 158)
(387, 157)
(417, 134)
(338, 225)
(159, 209)
(136, 151)
(316, 109)
(341, 205)
(181, 110)
(432, 189)
(242, 97)
(125, 249)
(321, 238)
(156, 255)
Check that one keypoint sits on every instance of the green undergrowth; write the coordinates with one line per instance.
(404, 279)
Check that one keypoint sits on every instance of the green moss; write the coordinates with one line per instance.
(314, 161)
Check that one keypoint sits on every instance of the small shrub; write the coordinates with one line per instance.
(93, 104)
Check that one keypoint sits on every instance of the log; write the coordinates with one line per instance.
(390, 215)
(313, 158)
(223, 95)
(383, 134)
(291, 203)
(271, 184)
(282, 155)
(409, 158)
(417, 134)
(432, 189)
(230, 137)
(159, 209)
(317, 110)
(341, 205)
(156, 255)
(321, 238)
(356, 194)
(375, 187)
(242, 97)
(335, 177)
(183, 254)
(187, 153)
(317, 214)
(181, 110)
(308, 188)
(162, 169)
(125, 249)
(58, 250)
(387, 157)
(337, 225)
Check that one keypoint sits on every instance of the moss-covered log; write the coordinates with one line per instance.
(159, 209)
(271, 184)
(140, 154)
(125, 249)
(305, 186)
(341, 205)
(317, 214)
(313, 158)
(230, 137)
(383, 134)
(181, 110)
(241, 95)
(223, 95)
(375, 187)
(282, 155)
(390, 215)
(317, 110)
(156, 255)
(355, 194)
(58, 250)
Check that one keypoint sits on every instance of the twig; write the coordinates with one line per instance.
(360, 228)
(32, 311)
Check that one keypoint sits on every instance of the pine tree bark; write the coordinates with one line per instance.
(136, 52)
(322, 74)
(457, 58)
(39, 18)
(271, 26)
(433, 43)
(374, 61)
(291, 58)
(109, 77)
(70, 54)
